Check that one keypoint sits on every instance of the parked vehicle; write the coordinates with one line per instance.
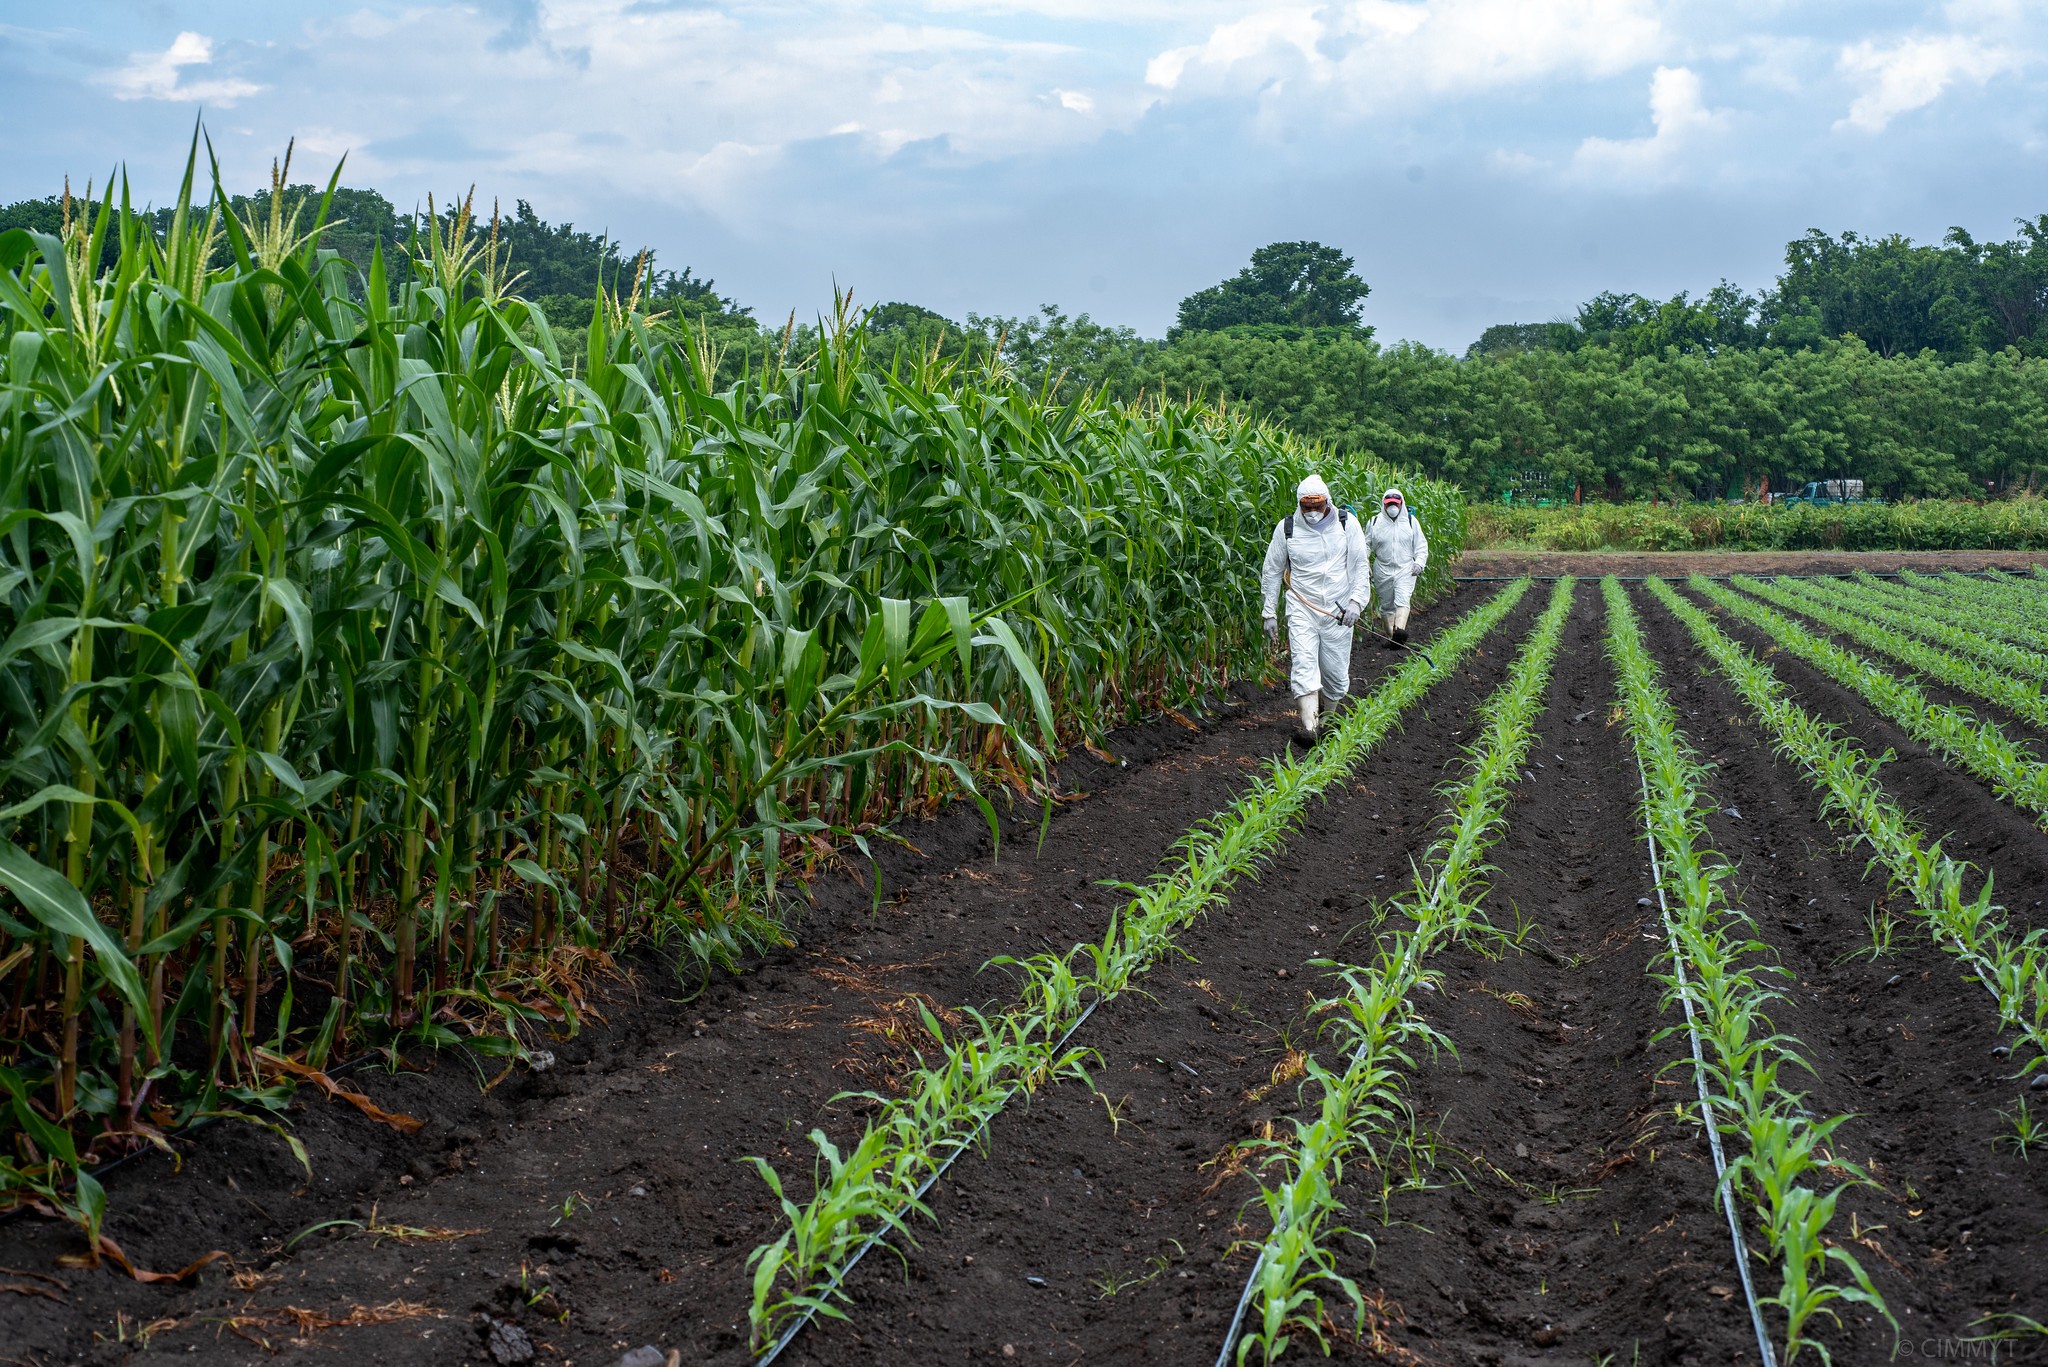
(1828, 491)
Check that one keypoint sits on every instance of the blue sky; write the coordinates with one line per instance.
(1484, 160)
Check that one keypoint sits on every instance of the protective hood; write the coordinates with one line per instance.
(1391, 502)
(1313, 485)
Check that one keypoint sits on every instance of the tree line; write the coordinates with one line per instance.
(1922, 370)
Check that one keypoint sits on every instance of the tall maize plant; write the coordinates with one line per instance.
(367, 673)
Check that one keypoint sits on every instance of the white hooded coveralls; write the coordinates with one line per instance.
(1400, 552)
(1325, 562)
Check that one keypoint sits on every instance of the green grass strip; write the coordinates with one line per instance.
(877, 1186)
(2016, 970)
(1376, 1021)
(1961, 737)
(2017, 696)
(1725, 996)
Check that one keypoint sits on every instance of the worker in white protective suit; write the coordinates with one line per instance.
(1317, 562)
(1400, 552)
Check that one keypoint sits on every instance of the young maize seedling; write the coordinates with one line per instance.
(1987, 640)
(2028, 1129)
(795, 1277)
(1969, 927)
(1717, 975)
(2017, 696)
(1374, 1020)
(1976, 745)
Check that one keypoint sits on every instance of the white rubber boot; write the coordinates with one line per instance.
(1309, 703)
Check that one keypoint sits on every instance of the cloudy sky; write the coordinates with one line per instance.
(1484, 160)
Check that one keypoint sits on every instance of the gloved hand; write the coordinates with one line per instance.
(1272, 631)
(1348, 616)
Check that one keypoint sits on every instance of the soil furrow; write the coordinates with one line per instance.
(1569, 1212)
(1957, 1225)
(639, 1124)
(1128, 1223)
(1946, 801)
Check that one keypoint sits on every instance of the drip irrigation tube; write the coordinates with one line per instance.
(789, 1335)
(1251, 1283)
(1699, 1073)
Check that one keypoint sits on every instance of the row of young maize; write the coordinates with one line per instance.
(1905, 610)
(1721, 975)
(368, 672)
(1969, 926)
(1977, 746)
(1938, 601)
(2032, 587)
(2012, 609)
(1375, 1024)
(2017, 696)
(859, 1199)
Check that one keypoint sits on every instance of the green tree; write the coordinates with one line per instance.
(1288, 284)
(1069, 354)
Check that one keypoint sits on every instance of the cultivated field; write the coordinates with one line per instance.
(522, 855)
(1386, 1046)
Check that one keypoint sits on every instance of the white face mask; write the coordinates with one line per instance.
(1393, 511)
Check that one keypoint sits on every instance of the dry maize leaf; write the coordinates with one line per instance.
(397, 1120)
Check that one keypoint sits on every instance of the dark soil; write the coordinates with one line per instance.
(664, 1094)
(2013, 725)
(1946, 802)
(1569, 1212)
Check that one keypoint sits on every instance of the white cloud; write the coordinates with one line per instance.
(1914, 72)
(157, 75)
(1384, 53)
(1515, 163)
(1682, 120)
(1253, 36)
(906, 146)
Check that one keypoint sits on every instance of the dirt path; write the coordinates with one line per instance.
(1633, 564)
(1083, 1204)
(638, 1127)
(1569, 1213)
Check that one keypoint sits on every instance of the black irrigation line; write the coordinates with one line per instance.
(788, 1335)
(1699, 1073)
